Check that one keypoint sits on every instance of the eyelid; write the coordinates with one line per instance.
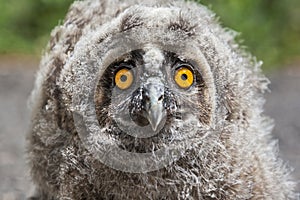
(123, 65)
(180, 64)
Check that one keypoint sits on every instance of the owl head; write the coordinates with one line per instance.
(156, 80)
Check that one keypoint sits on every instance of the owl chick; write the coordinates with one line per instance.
(150, 100)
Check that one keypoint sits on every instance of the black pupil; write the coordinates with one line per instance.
(184, 77)
(123, 78)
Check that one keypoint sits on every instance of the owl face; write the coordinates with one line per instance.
(151, 96)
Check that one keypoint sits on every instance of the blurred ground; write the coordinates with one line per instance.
(16, 82)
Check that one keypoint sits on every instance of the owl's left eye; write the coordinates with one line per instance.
(184, 77)
(124, 78)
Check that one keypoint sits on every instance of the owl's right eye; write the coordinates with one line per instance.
(124, 78)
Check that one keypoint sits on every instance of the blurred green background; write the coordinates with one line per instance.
(269, 28)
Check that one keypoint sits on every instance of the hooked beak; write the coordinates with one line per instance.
(155, 109)
(148, 106)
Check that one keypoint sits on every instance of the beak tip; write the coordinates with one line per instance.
(156, 119)
(154, 127)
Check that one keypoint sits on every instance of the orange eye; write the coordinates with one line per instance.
(184, 77)
(124, 79)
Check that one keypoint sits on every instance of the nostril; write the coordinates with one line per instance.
(161, 98)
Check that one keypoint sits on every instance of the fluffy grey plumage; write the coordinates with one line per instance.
(229, 151)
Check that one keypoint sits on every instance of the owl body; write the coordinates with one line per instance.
(142, 76)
